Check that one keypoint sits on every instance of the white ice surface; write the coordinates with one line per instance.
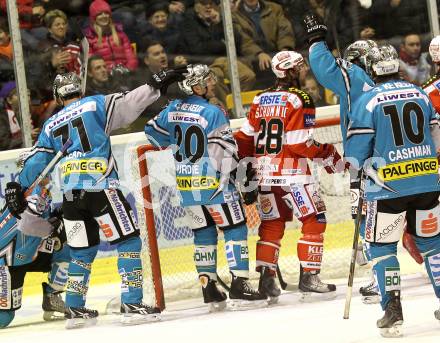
(288, 321)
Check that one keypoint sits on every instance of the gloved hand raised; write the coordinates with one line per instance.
(165, 77)
(315, 29)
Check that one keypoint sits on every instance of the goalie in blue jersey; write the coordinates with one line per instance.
(394, 136)
(33, 243)
(206, 158)
(92, 199)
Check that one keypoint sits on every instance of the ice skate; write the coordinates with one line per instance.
(390, 324)
(133, 314)
(78, 317)
(370, 293)
(212, 296)
(53, 304)
(267, 286)
(313, 289)
(243, 296)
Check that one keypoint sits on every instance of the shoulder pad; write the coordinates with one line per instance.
(306, 99)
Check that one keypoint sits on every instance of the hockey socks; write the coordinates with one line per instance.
(57, 277)
(387, 269)
(205, 252)
(430, 250)
(130, 270)
(237, 252)
(79, 275)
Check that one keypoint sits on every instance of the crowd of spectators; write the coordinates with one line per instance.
(129, 40)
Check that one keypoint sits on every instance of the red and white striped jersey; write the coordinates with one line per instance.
(278, 131)
(432, 88)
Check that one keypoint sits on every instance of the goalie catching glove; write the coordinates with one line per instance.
(166, 77)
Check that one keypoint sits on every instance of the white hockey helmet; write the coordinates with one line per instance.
(383, 61)
(434, 49)
(198, 74)
(284, 61)
(66, 86)
(358, 50)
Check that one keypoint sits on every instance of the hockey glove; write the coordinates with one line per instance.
(15, 199)
(248, 191)
(333, 162)
(315, 29)
(59, 233)
(165, 77)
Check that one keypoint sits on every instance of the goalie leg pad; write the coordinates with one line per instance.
(130, 270)
(79, 275)
(57, 277)
(271, 232)
(237, 251)
(430, 250)
(386, 268)
(205, 251)
(6, 317)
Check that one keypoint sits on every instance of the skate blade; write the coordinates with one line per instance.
(76, 323)
(371, 299)
(394, 331)
(136, 319)
(308, 297)
(216, 306)
(50, 316)
(244, 305)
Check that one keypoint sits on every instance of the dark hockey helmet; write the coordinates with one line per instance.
(356, 52)
(383, 60)
(198, 74)
(66, 86)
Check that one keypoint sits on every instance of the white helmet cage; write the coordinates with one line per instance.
(358, 50)
(284, 61)
(198, 74)
(383, 60)
(66, 86)
(434, 49)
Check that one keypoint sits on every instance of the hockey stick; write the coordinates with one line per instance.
(284, 285)
(223, 284)
(357, 227)
(49, 167)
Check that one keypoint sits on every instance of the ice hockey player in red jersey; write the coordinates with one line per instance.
(278, 132)
(432, 86)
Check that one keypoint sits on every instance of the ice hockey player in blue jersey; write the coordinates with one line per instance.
(205, 153)
(394, 135)
(34, 243)
(348, 79)
(91, 197)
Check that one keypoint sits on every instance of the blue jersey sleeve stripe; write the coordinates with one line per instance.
(360, 131)
(346, 82)
(156, 127)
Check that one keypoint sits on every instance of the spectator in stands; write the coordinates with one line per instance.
(30, 15)
(99, 80)
(10, 130)
(310, 86)
(265, 31)
(10, 124)
(204, 40)
(6, 68)
(391, 18)
(336, 14)
(414, 64)
(130, 13)
(155, 59)
(108, 39)
(158, 27)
